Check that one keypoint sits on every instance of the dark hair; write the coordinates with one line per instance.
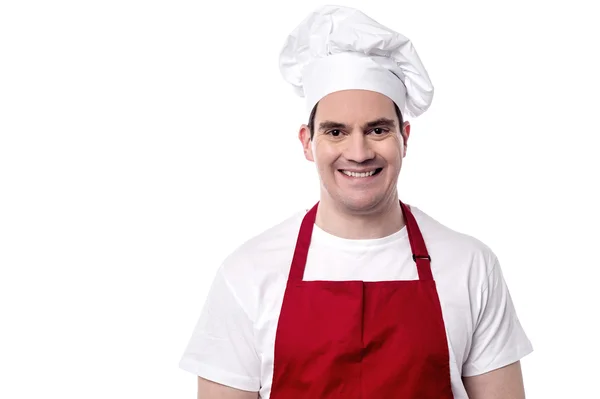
(311, 119)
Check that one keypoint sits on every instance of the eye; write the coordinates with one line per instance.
(380, 130)
(334, 132)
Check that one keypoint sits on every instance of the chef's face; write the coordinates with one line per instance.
(358, 146)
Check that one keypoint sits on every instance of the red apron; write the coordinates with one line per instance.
(355, 339)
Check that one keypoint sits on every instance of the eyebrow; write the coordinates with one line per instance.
(376, 123)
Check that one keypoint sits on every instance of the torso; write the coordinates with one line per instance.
(258, 273)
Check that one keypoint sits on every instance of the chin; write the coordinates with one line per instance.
(360, 203)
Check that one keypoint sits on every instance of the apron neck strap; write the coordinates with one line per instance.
(417, 244)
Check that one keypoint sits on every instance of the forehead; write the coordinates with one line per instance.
(355, 106)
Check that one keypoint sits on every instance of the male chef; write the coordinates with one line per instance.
(360, 295)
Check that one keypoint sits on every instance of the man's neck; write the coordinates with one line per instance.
(385, 221)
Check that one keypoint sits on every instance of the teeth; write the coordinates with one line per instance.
(355, 174)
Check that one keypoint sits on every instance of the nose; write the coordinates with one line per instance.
(358, 148)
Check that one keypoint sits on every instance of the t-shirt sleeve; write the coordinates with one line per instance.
(498, 338)
(222, 348)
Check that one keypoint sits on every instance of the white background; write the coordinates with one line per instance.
(142, 141)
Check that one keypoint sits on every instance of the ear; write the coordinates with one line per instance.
(304, 136)
(405, 135)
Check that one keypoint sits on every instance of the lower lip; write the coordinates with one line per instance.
(361, 179)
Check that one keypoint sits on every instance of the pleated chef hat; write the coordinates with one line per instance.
(339, 48)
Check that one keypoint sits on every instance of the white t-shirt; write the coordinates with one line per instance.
(233, 341)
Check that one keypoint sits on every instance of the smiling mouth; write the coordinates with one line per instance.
(361, 174)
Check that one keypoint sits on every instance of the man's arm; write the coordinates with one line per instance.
(222, 349)
(211, 390)
(492, 369)
(503, 383)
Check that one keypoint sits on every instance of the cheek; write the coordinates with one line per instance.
(400, 149)
(392, 152)
(324, 155)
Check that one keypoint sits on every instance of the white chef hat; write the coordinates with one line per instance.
(339, 48)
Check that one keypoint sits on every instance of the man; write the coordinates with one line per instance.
(362, 296)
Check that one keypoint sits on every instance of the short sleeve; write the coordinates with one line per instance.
(498, 338)
(221, 348)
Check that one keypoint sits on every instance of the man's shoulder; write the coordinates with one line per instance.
(269, 248)
(448, 242)
(280, 235)
(458, 259)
